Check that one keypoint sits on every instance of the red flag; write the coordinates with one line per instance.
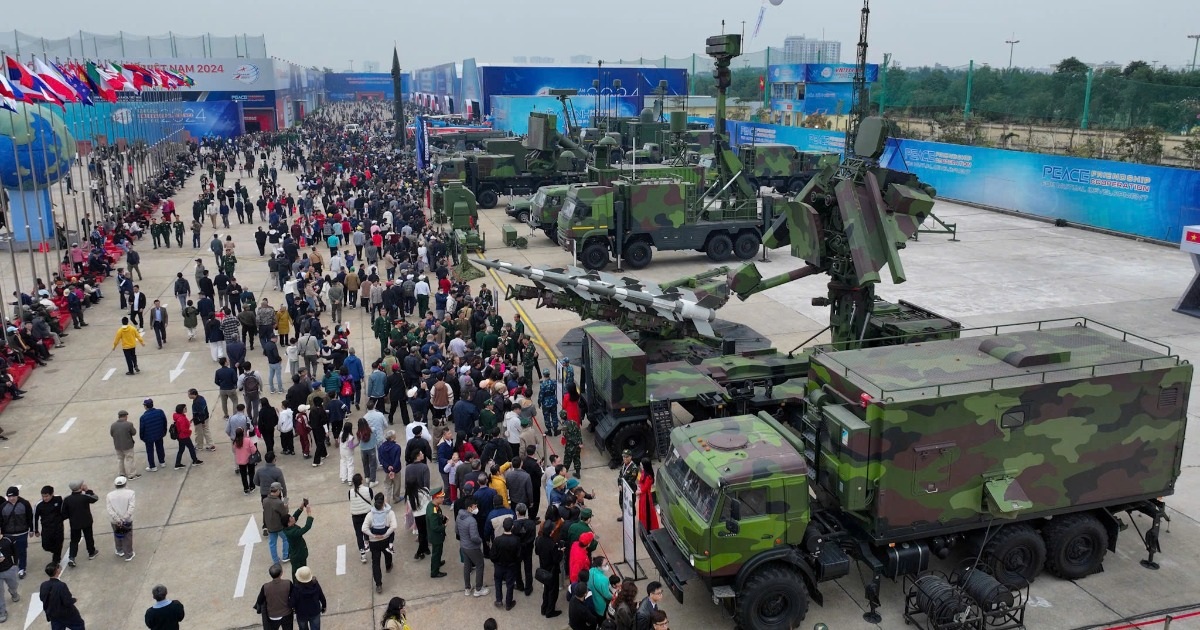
(35, 89)
(56, 82)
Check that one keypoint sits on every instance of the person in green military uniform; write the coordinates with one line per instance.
(512, 344)
(580, 527)
(495, 322)
(229, 262)
(529, 358)
(487, 417)
(572, 442)
(489, 341)
(383, 330)
(164, 228)
(628, 473)
(179, 231)
(297, 548)
(435, 524)
(155, 232)
(518, 325)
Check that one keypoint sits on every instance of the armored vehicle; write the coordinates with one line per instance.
(782, 167)
(1022, 445)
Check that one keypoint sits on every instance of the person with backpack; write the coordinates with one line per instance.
(379, 527)
(250, 384)
(191, 319)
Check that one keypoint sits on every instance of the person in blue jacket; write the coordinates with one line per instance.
(152, 429)
(377, 388)
(355, 366)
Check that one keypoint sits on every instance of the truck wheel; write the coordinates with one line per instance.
(796, 185)
(552, 234)
(720, 246)
(594, 256)
(1075, 545)
(635, 438)
(638, 254)
(772, 599)
(746, 245)
(488, 199)
(1015, 554)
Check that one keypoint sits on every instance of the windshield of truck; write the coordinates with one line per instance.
(701, 496)
(539, 200)
(573, 211)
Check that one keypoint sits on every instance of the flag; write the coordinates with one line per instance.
(98, 83)
(124, 78)
(1192, 236)
(142, 78)
(70, 73)
(762, 12)
(8, 103)
(12, 91)
(35, 89)
(56, 82)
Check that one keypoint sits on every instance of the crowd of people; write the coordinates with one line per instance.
(470, 453)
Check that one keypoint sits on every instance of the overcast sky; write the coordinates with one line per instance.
(916, 32)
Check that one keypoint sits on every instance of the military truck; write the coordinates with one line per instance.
(517, 167)
(1022, 445)
(541, 210)
(456, 205)
(630, 218)
(782, 167)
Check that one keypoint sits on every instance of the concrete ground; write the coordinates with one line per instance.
(193, 526)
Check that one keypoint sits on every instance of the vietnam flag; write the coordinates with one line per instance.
(1191, 236)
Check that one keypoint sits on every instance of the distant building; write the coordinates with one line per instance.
(581, 59)
(370, 66)
(521, 59)
(541, 60)
(800, 49)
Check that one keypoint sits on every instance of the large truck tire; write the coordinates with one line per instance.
(1075, 545)
(552, 233)
(1015, 554)
(772, 599)
(638, 254)
(719, 248)
(488, 198)
(746, 245)
(594, 256)
(634, 437)
(523, 217)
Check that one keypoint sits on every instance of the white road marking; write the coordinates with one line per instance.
(250, 537)
(67, 426)
(109, 373)
(341, 560)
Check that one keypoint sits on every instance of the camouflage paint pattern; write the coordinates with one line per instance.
(782, 162)
(729, 456)
(679, 381)
(955, 434)
(617, 366)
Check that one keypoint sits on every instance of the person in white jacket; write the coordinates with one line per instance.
(379, 526)
(287, 433)
(120, 506)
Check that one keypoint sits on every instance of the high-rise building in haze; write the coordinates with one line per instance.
(800, 49)
(370, 66)
(581, 59)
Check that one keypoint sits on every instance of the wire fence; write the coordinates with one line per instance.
(130, 46)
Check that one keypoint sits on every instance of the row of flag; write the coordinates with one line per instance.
(72, 82)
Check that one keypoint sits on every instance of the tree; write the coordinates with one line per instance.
(1071, 65)
(1142, 145)
(1134, 66)
(1190, 150)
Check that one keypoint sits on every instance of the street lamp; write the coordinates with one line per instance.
(1012, 43)
(1195, 49)
(351, 65)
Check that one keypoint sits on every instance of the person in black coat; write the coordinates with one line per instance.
(57, 601)
(550, 558)
(397, 396)
(268, 419)
(48, 523)
(77, 511)
(581, 614)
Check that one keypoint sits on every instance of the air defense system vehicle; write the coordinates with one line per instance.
(782, 166)
(517, 167)
(456, 205)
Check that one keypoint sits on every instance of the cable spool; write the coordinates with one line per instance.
(941, 602)
(990, 594)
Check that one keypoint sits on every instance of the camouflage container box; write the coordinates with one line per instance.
(493, 166)
(617, 365)
(950, 434)
(543, 132)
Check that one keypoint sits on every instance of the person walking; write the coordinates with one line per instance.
(368, 442)
(152, 427)
(394, 617)
(297, 548)
(244, 450)
(48, 523)
(182, 290)
(77, 511)
(158, 321)
(361, 504)
(226, 380)
(249, 382)
(307, 600)
(470, 542)
(57, 601)
(137, 307)
(346, 445)
(120, 504)
(123, 432)
(8, 576)
(270, 349)
(128, 338)
(16, 523)
(506, 561)
(379, 527)
(274, 601)
(183, 435)
(165, 614)
(191, 319)
(550, 559)
(435, 523)
(275, 520)
(200, 417)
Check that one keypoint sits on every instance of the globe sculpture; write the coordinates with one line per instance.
(36, 150)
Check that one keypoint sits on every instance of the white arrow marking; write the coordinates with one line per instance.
(250, 537)
(109, 373)
(341, 560)
(179, 368)
(35, 610)
(67, 426)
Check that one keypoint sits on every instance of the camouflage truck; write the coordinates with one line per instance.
(1023, 446)
(782, 167)
(517, 167)
(456, 205)
(541, 210)
(630, 218)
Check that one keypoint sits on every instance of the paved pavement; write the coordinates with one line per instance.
(189, 523)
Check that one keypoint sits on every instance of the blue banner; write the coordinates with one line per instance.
(539, 80)
(353, 86)
(511, 113)
(813, 140)
(419, 136)
(818, 73)
(154, 121)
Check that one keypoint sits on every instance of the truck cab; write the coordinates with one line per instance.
(732, 501)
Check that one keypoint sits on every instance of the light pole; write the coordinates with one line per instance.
(1195, 49)
(351, 65)
(1012, 43)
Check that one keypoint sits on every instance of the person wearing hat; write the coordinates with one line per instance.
(558, 492)
(580, 527)
(120, 504)
(572, 441)
(435, 523)
(77, 511)
(627, 473)
(122, 432)
(307, 599)
(16, 523)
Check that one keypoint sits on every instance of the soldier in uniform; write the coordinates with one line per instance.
(548, 401)
(164, 230)
(179, 231)
(436, 524)
(495, 321)
(382, 329)
(529, 359)
(572, 442)
(627, 473)
(155, 232)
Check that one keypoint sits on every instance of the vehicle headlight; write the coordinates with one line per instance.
(692, 560)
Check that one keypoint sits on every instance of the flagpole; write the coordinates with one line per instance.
(43, 233)
(21, 189)
(59, 239)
